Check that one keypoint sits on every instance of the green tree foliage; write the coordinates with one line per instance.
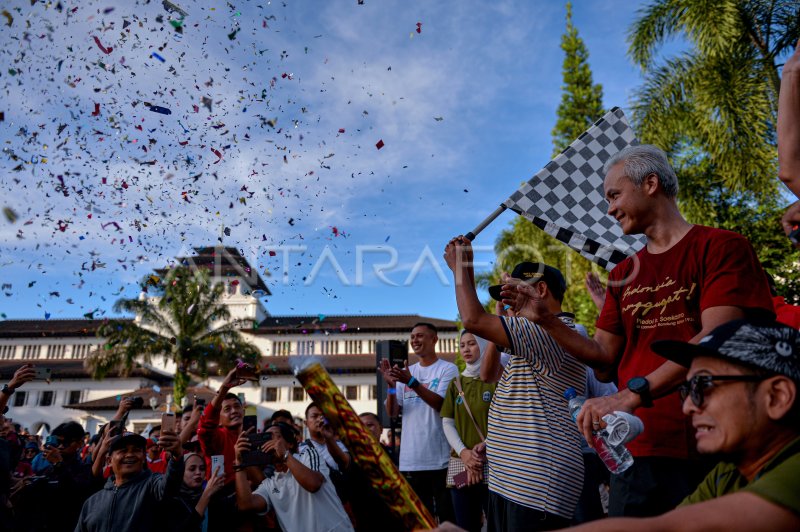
(713, 108)
(581, 99)
(581, 104)
(187, 325)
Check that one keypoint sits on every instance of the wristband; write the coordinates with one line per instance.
(412, 382)
(391, 391)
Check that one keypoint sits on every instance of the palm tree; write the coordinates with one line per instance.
(187, 325)
(720, 96)
(713, 108)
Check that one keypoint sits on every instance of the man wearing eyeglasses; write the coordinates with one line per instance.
(742, 398)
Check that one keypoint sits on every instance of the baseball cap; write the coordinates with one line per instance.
(534, 272)
(127, 439)
(766, 345)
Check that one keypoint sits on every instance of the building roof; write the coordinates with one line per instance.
(112, 402)
(347, 324)
(50, 328)
(77, 328)
(223, 262)
(73, 369)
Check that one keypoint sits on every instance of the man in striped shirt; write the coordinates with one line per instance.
(533, 446)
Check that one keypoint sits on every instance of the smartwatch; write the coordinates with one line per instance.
(8, 390)
(641, 387)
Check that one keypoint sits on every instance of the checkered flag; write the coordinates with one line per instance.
(565, 199)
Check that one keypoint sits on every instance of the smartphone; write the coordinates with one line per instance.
(43, 374)
(794, 236)
(218, 465)
(460, 480)
(51, 442)
(249, 422)
(246, 371)
(256, 457)
(257, 439)
(199, 401)
(168, 422)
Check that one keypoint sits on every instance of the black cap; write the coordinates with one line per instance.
(534, 272)
(767, 345)
(126, 439)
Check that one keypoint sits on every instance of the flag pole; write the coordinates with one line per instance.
(481, 226)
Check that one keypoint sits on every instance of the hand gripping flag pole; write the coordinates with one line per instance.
(566, 200)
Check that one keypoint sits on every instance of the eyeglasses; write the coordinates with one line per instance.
(697, 385)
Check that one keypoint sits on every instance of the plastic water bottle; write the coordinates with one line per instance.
(617, 458)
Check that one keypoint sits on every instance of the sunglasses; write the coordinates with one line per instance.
(697, 385)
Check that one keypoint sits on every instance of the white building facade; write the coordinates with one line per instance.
(345, 345)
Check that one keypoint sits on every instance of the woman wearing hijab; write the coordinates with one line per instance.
(186, 512)
(465, 419)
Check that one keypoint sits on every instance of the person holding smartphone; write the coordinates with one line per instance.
(303, 498)
(465, 420)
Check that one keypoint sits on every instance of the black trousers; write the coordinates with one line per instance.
(431, 487)
(654, 485)
(508, 516)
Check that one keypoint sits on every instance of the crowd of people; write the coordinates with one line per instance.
(687, 340)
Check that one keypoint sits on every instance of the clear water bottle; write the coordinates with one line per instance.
(617, 458)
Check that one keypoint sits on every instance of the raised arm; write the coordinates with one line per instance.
(789, 123)
(458, 256)
(25, 373)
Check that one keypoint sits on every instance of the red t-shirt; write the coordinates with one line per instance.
(787, 314)
(217, 440)
(661, 296)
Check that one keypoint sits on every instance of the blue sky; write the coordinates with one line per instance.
(276, 110)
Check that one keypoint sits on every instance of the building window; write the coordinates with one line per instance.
(352, 347)
(20, 398)
(7, 352)
(269, 395)
(330, 347)
(46, 398)
(373, 391)
(56, 351)
(81, 350)
(74, 397)
(281, 348)
(305, 347)
(298, 394)
(371, 346)
(351, 393)
(31, 351)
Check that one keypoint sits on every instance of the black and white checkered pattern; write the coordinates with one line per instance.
(565, 199)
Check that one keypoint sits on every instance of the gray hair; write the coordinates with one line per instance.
(641, 161)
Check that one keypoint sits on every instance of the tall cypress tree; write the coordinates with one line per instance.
(581, 105)
(581, 99)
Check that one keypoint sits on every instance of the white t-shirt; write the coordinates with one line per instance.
(300, 510)
(324, 453)
(424, 446)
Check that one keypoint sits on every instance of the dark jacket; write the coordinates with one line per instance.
(132, 507)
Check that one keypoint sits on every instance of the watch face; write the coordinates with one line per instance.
(637, 384)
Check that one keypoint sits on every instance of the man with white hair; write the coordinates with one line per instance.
(686, 281)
